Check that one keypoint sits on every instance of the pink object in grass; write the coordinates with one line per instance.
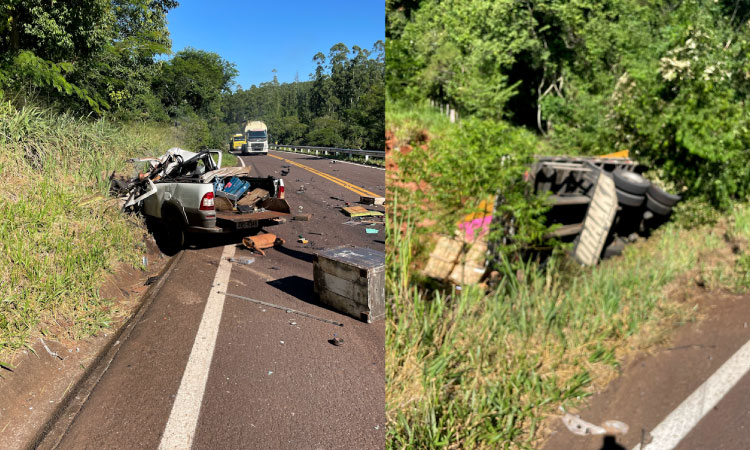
(480, 226)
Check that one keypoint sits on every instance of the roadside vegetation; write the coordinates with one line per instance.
(85, 85)
(484, 367)
(488, 366)
(60, 232)
(106, 59)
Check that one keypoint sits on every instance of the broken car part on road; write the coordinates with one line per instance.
(261, 241)
(284, 308)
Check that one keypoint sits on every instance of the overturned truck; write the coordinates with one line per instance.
(183, 192)
(597, 203)
(600, 203)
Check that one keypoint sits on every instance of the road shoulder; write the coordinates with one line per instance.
(42, 387)
(653, 384)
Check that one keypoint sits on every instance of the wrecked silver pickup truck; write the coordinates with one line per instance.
(183, 192)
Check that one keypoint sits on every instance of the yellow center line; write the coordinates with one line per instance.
(352, 187)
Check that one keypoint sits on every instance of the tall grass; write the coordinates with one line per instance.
(59, 234)
(474, 368)
(470, 368)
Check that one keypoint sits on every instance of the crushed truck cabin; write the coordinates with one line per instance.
(185, 192)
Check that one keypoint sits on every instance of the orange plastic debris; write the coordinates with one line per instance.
(261, 241)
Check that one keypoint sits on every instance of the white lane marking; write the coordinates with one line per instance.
(241, 161)
(332, 159)
(183, 419)
(679, 422)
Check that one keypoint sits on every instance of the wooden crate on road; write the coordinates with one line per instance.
(351, 280)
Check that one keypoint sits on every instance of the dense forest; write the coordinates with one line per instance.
(667, 79)
(103, 59)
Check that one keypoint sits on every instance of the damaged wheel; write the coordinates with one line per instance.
(663, 197)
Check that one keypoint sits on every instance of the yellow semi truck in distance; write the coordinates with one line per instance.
(256, 138)
(237, 142)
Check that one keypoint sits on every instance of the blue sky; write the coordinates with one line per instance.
(259, 36)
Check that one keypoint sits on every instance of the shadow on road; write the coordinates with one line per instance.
(300, 288)
(302, 256)
(610, 443)
(296, 286)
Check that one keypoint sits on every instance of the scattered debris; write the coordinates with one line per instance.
(358, 211)
(144, 261)
(246, 261)
(578, 426)
(51, 353)
(461, 262)
(372, 200)
(151, 280)
(302, 240)
(259, 242)
(302, 217)
(371, 231)
(337, 198)
(288, 310)
(253, 197)
(314, 232)
(337, 341)
(281, 342)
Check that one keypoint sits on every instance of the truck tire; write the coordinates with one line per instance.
(630, 182)
(626, 199)
(662, 196)
(657, 207)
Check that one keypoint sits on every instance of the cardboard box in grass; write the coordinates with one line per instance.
(462, 259)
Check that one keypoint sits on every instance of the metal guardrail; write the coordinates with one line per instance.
(330, 150)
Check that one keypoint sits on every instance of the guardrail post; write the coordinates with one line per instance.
(316, 151)
(367, 158)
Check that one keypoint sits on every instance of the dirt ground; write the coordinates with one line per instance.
(39, 382)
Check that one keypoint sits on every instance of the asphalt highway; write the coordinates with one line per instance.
(273, 379)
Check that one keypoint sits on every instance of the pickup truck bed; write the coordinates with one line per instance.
(234, 220)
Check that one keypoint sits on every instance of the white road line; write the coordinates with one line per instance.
(183, 419)
(679, 422)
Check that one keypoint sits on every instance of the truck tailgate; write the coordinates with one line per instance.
(275, 208)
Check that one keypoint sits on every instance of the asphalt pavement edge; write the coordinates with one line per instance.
(55, 427)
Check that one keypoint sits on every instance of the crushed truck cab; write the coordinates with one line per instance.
(190, 192)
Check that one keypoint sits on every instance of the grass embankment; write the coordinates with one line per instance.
(483, 369)
(59, 233)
